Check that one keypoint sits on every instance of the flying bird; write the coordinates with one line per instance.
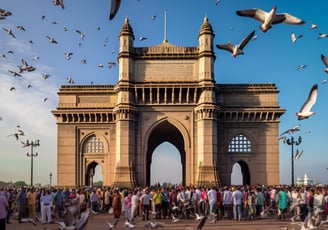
(305, 111)
(111, 226)
(115, 5)
(10, 32)
(45, 76)
(142, 38)
(153, 17)
(4, 13)
(52, 40)
(14, 73)
(12, 88)
(84, 61)
(236, 50)
(68, 55)
(322, 35)
(313, 26)
(301, 67)
(325, 61)
(298, 154)
(80, 33)
(294, 37)
(292, 130)
(154, 225)
(20, 27)
(111, 64)
(59, 3)
(270, 18)
(70, 80)
(175, 219)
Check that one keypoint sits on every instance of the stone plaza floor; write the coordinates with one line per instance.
(100, 220)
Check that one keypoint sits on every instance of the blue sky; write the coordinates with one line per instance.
(271, 58)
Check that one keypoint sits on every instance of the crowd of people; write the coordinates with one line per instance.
(160, 202)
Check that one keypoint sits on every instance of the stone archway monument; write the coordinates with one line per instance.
(164, 93)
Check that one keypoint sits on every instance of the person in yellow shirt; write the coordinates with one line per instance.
(157, 198)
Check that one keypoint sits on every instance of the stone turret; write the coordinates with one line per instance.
(126, 37)
(125, 57)
(205, 37)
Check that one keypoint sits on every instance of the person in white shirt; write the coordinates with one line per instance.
(212, 200)
(135, 199)
(237, 199)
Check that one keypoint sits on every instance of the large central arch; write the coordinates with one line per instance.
(162, 132)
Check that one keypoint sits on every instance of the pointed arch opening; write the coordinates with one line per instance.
(165, 132)
(166, 165)
(240, 174)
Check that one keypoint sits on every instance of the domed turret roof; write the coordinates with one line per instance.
(206, 28)
(126, 29)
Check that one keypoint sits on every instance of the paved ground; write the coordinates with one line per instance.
(100, 222)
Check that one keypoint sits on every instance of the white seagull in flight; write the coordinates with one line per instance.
(236, 50)
(292, 130)
(305, 111)
(270, 18)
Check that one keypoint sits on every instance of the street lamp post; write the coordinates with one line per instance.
(293, 142)
(50, 177)
(31, 155)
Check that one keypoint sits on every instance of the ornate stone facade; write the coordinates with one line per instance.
(167, 93)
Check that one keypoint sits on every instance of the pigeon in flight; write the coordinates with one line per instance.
(270, 18)
(111, 226)
(52, 40)
(45, 76)
(301, 67)
(236, 50)
(305, 111)
(80, 33)
(10, 32)
(115, 5)
(325, 61)
(21, 28)
(70, 80)
(14, 73)
(322, 35)
(298, 154)
(4, 13)
(68, 55)
(313, 26)
(59, 3)
(294, 37)
(154, 225)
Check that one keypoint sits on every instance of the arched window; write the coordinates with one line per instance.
(240, 143)
(93, 145)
